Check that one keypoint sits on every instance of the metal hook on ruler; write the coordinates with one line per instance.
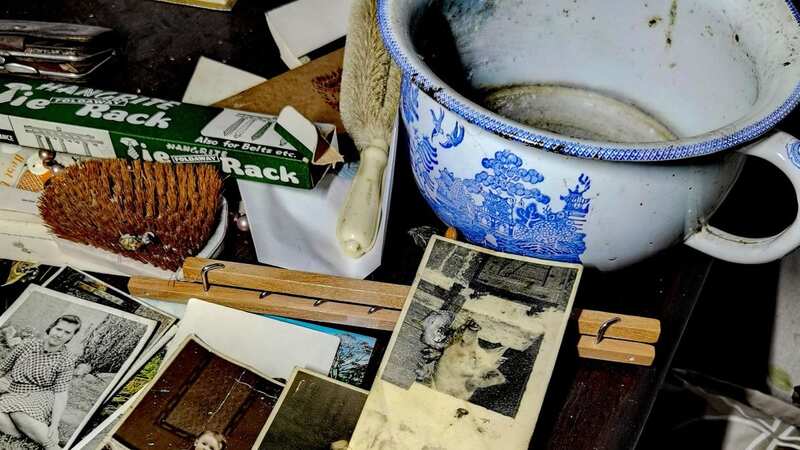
(601, 331)
(204, 273)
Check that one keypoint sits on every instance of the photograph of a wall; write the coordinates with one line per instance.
(313, 412)
(15, 276)
(199, 393)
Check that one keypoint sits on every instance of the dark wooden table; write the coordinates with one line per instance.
(590, 404)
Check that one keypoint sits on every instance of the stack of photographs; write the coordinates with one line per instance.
(85, 366)
(203, 400)
(235, 384)
(95, 368)
(68, 344)
(60, 358)
(107, 416)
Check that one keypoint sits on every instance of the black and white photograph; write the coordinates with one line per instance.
(143, 371)
(82, 285)
(476, 325)
(199, 400)
(15, 276)
(314, 412)
(70, 354)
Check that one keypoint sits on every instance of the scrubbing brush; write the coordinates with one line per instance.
(154, 213)
(368, 101)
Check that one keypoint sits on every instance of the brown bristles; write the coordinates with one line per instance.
(97, 202)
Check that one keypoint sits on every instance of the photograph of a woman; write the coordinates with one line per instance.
(60, 357)
(38, 373)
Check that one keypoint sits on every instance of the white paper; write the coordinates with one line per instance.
(23, 235)
(28, 242)
(214, 81)
(174, 308)
(783, 361)
(20, 172)
(33, 242)
(302, 26)
(269, 346)
(296, 228)
(18, 242)
(19, 205)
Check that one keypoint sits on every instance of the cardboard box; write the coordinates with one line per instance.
(106, 124)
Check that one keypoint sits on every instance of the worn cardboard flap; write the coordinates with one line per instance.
(313, 89)
(307, 138)
(327, 151)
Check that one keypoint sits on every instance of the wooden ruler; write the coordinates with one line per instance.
(304, 284)
(276, 304)
(281, 292)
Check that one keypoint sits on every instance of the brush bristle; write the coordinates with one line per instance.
(370, 89)
(97, 202)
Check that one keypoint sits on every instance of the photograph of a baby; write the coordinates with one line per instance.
(47, 385)
(207, 440)
(210, 440)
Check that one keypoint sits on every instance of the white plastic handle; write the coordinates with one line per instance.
(737, 249)
(358, 220)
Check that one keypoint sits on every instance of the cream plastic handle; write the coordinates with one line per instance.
(358, 221)
(776, 149)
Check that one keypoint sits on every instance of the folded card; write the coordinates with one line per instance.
(272, 347)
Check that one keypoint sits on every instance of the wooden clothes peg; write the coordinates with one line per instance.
(617, 337)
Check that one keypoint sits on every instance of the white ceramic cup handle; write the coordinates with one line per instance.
(782, 150)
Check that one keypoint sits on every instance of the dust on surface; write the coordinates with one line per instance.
(673, 16)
